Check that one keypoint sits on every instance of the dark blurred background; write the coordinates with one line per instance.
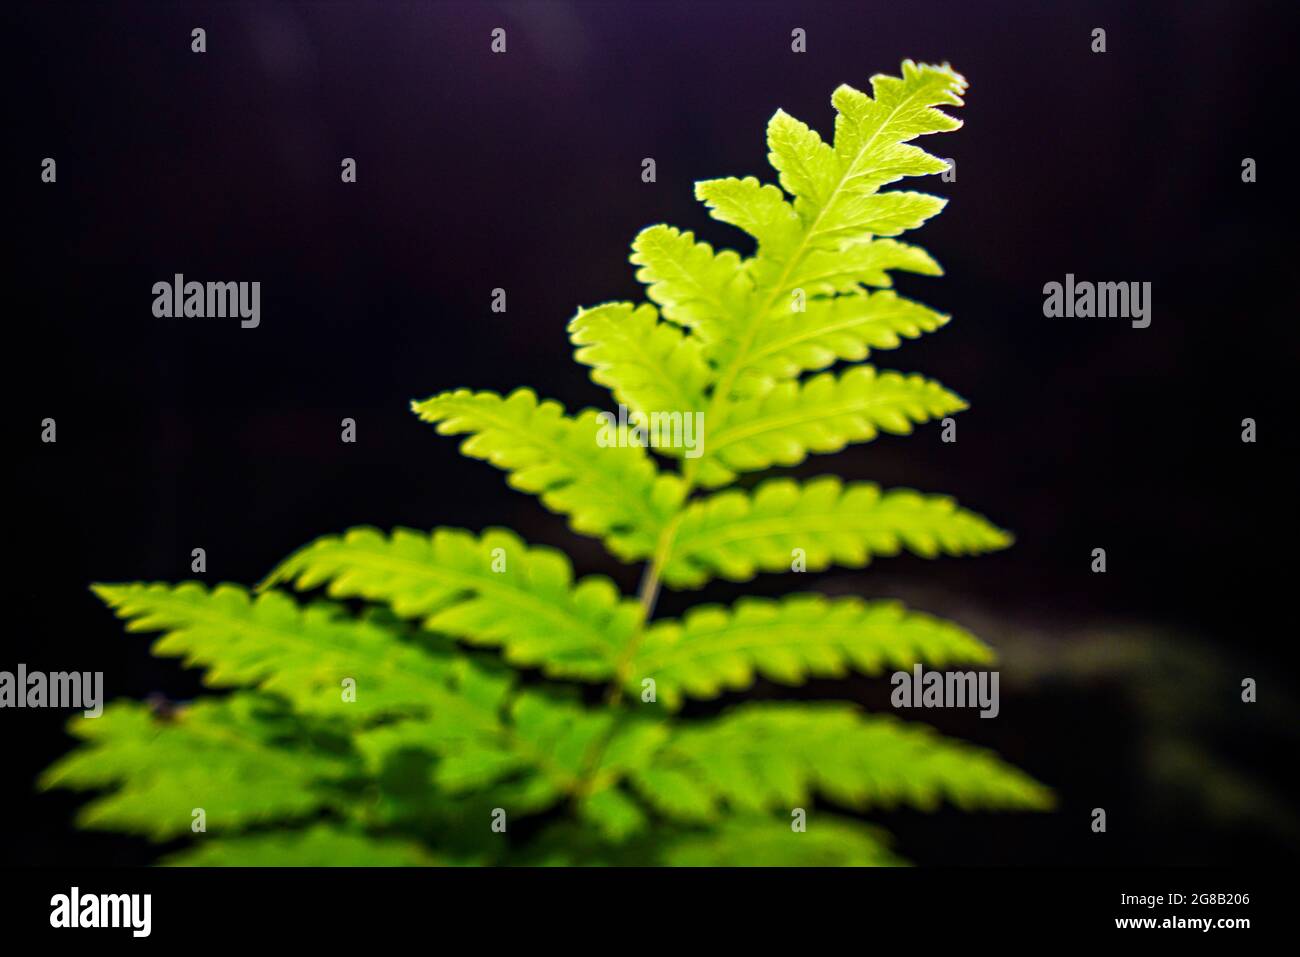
(522, 171)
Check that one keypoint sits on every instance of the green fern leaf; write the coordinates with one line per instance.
(319, 846)
(840, 328)
(736, 534)
(881, 214)
(488, 590)
(614, 493)
(613, 814)
(241, 759)
(825, 272)
(872, 132)
(549, 748)
(809, 168)
(715, 649)
(557, 737)
(841, 181)
(703, 291)
(838, 207)
(272, 643)
(761, 841)
(822, 414)
(760, 210)
(771, 756)
(374, 734)
(649, 365)
(632, 744)
(471, 755)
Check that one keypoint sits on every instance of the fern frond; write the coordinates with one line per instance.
(763, 841)
(822, 272)
(809, 167)
(387, 735)
(737, 534)
(613, 814)
(303, 653)
(760, 210)
(775, 756)
(881, 214)
(649, 365)
(822, 414)
(698, 289)
(241, 759)
(873, 136)
(715, 649)
(844, 327)
(842, 180)
(492, 589)
(613, 493)
(837, 207)
(321, 845)
(470, 755)
(556, 737)
(549, 748)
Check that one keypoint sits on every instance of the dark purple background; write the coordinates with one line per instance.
(523, 171)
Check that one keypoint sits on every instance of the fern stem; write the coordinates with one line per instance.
(647, 595)
(651, 578)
